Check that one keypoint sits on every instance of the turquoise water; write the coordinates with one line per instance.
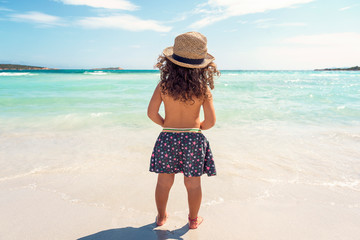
(71, 99)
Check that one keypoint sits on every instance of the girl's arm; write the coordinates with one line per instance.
(209, 113)
(153, 108)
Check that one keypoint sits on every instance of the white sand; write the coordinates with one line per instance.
(101, 189)
(32, 212)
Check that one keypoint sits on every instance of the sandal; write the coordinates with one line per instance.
(195, 222)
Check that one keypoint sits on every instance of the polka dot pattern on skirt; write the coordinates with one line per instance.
(185, 152)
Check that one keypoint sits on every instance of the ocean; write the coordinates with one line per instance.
(84, 135)
(74, 99)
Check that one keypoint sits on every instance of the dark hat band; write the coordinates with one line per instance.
(187, 60)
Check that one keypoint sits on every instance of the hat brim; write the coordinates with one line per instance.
(168, 52)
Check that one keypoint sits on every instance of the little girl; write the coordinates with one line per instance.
(187, 73)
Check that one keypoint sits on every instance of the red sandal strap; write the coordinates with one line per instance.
(193, 220)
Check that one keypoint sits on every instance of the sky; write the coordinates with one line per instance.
(241, 34)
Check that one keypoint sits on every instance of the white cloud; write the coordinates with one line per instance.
(207, 21)
(179, 17)
(223, 9)
(287, 24)
(269, 22)
(125, 21)
(345, 8)
(348, 7)
(109, 4)
(37, 17)
(5, 9)
(312, 51)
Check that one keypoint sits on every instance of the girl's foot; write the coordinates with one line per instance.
(195, 222)
(161, 221)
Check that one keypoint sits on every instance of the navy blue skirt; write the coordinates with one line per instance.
(186, 152)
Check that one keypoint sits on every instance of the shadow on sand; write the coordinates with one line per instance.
(145, 232)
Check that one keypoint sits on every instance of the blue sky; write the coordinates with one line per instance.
(242, 34)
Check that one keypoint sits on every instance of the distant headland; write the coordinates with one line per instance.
(356, 68)
(21, 67)
(26, 67)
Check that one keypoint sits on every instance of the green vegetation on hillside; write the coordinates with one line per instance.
(356, 68)
(19, 67)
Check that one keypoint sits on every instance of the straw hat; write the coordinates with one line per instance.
(189, 51)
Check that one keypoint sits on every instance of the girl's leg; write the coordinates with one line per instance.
(163, 186)
(193, 187)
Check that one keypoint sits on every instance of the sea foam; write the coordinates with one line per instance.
(17, 74)
(96, 73)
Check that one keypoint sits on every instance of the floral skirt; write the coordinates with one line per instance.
(182, 150)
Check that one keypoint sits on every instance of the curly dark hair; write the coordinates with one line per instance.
(182, 83)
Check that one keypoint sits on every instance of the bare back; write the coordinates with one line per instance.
(181, 115)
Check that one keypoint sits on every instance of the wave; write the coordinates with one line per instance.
(347, 184)
(34, 171)
(99, 114)
(350, 184)
(217, 201)
(325, 74)
(96, 73)
(41, 170)
(16, 74)
(79, 116)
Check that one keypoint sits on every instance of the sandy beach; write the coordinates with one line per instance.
(45, 215)
(104, 198)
